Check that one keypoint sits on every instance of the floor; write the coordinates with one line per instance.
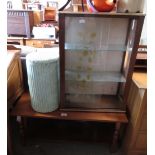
(51, 137)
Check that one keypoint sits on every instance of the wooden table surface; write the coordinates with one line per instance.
(23, 108)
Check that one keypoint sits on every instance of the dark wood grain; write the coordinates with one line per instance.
(130, 69)
(62, 58)
(23, 108)
(102, 14)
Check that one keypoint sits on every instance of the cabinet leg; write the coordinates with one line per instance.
(22, 128)
(114, 145)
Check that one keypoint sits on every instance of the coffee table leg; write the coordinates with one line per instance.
(22, 128)
(114, 145)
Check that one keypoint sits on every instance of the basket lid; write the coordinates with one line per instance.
(44, 55)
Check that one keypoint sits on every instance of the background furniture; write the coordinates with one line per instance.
(135, 141)
(14, 87)
(14, 76)
(141, 59)
(40, 43)
(77, 5)
(20, 22)
(33, 42)
(15, 40)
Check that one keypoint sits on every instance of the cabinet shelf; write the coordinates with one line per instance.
(94, 76)
(98, 103)
(92, 83)
(91, 88)
(95, 47)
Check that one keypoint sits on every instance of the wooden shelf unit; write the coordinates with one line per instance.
(94, 44)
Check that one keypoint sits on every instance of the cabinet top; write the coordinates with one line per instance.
(11, 54)
(103, 14)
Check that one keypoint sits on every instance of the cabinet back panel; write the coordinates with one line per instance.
(93, 61)
(96, 31)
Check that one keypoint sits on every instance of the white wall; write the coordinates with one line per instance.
(60, 2)
(17, 4)
(144, 31)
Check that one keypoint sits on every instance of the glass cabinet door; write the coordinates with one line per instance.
(94, 54)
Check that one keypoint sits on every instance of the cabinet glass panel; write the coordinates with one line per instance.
(94, 54)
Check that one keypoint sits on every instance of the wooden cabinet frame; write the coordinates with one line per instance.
(133, 34)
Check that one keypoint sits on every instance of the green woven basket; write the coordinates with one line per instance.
(42, 71)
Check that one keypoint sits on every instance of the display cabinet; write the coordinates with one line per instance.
(97, 56)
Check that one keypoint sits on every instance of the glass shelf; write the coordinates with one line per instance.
(94, 76)
(94, 47)
(91, 88)
(108, 103)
